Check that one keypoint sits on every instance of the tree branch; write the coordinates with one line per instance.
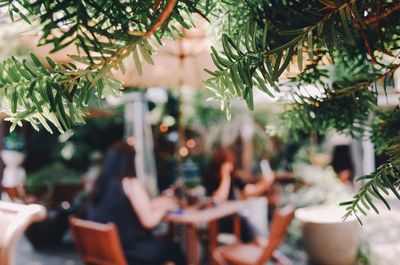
(165, 14)
(364, 37)
(388, 12)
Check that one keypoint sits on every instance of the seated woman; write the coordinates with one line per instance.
(119, 197)
(222, 186)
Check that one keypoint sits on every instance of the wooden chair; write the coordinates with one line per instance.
(14, 219)
(98, 244)
(254, 254)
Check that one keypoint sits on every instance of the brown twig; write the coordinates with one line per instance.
(363, 35)
(165, 14)
(378, 17)
(391, 71)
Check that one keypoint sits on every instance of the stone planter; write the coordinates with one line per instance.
(327, 239)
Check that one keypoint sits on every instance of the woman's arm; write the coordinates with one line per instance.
(263, 184)
(222, 192)
(149, 215)
(256, 189)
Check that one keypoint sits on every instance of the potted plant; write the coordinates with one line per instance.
(56, 186)
(326, 237)
(13, 156)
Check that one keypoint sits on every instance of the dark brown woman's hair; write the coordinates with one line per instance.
(213, 174)
(119, 162)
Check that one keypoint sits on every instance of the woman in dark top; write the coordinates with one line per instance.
(222, 185)
(118, 197)
(342, 163)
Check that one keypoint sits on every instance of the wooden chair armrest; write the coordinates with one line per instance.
(218, 258)
(279, 259)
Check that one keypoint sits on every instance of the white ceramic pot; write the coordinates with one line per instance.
(12, 158)
(14, 174)
(328, 240)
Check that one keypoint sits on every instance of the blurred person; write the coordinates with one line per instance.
(120, 198)
(341, 156)
(342, 163)
(221, 185)
(89, 179)
(252, 181)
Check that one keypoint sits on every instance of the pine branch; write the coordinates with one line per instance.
(333, 26)
(386, 178)
(105, 33)
(58, 94)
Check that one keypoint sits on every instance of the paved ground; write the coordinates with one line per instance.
(381, 232)
(60, 255)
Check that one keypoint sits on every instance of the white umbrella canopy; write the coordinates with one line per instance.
(177, 63)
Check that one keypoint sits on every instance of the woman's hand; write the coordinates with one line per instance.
(165, 203)
(170, 192)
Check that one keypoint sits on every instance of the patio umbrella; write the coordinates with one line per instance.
(176, 63)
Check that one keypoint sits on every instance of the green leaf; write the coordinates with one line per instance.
(276, 66)
(216, 62)
(345, 25)
(247, 34)
(390, 186)
(14, 100)
(237, 82)
(227, 49)
(215, 74)
(310, 45)
(249, 99)
(145, 53)
(262, 85)
(286, 63)
(361, 210)
(368, 198)
(50, 97)
(39, 64)
(381, 197)
(264, 38)
(222, 61)
(300, 55)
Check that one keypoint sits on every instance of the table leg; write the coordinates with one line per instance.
(212, 240)
(171, 231)
(192, 245)
(236, 226)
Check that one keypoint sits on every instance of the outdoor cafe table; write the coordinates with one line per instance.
(192, 218)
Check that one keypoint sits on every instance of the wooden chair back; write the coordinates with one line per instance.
(97, 244)
(279, 225)
(14, 219)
